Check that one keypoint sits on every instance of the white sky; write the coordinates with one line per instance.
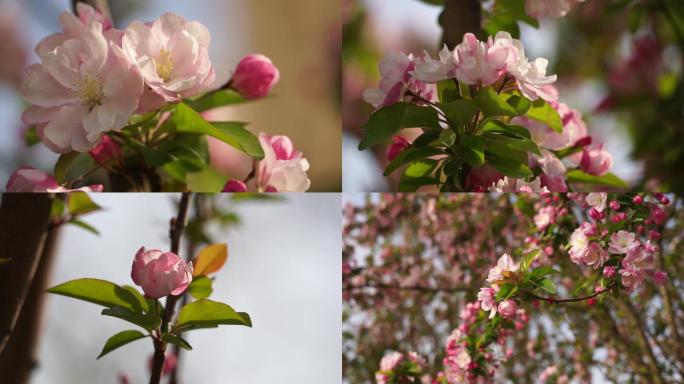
(283, 269)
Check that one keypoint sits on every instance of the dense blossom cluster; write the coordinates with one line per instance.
(94, 80)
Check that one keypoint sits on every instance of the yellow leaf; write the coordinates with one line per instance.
(210, 259)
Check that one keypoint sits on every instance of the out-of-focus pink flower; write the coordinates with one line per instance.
(507, 308)
(254, 76)
(480, 62)
(622, 242)
(544, 217)
(579, 244)
(552, 8)
(639, 259)
(106, 151)
(503, 267)
(659, 277)
(172, 55)
(234, 186)
(88, 14)
(658, 215)
(170, 363)
(529, 75)
(28, 179)
(597, 200)
(595, 255)
(517, 185)
(399, 143)
(553, 171)
(160, 273)
(631, 278)
(609, 272)
(283, 169)
(395, 70)
(390, 361)
(588, 228)
(486, 298)
(596, 161)
(83, 87)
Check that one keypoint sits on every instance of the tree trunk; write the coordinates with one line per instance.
(458, 18)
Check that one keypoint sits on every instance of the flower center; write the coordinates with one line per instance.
(164, 65)
(89, 90)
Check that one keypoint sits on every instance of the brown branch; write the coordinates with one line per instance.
(572, 299)
(418, 288)
(175, 233)
(458, 18)
(24, 224)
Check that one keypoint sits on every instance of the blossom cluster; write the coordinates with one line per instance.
(396, 367)
(109, 92)
(552, 8)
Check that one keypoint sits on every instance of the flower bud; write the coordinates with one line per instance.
(637, 200)
(106, 151)
(254, 76)
(596, 214)
(398, 144)
(234, 186)
(614, 205)
(608, 272)
(160, 273)
(507, 308)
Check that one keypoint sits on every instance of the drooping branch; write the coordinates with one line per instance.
(175, 233)
(24, 224)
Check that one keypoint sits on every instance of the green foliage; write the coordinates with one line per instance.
(389, 120)
(99, 292)
(460, 112)
(411, 154)
(144, 320)
(545, 113)
(80, 203)
(119, 340)
(63, 164)
(609, 179)
(200, 288)
(416, 175)
(176, 340)
(215, 99)
(205, 312)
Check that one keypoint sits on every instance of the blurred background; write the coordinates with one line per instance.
(303, 106)
(283, 269)
(619, 62)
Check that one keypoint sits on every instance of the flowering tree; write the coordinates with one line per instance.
(490, 118)
(134, 104)
(592, 284)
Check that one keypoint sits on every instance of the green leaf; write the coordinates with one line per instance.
(99, 292)
(460, 111)
(528, 258)
(389, 120)
(427, 137)
(502, 21)
(200, 288)
(120, 339)
(496, 126)
(206, 312)
(176, 340)
(502, 144)
(545, 113)
(154, 157)
(473, 150)
(416, 175)
(206, 180)
(219, 98)
(144, 302)
(147, 321)
(57, 209)
(520, 104)
(493, 104)
(433, 2)
(542, 271)
(234, 134)
(63, 164)
(506, 291)
(510, 167)
(411, 154)
(85, 226)
(80, 203)
(178, 169)
(548, 285)
(31, 137)
(609, 179)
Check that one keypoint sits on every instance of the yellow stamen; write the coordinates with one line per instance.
(164, 65)
(89, 90)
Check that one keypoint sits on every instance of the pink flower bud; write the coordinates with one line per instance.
(637, 200)
(106, 151)
(507, 308)
(608, 272)
(28, 179)
(399, 143)
(660, 277)
(234, 186)
(160, 273)
(658, 215)
(614, 205)
(653, 235)
(596, 161)
(664, 200)
(596, 214)
(254, 76)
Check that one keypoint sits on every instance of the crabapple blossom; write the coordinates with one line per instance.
(87, 14)
(428, 70)
(507, 308)
(517, 185)
(529, 75)
(609, 271)
(486, 298)
(553, 171)
(83, 87)
(631, 278)
(544, 217)
(660, 277)
(106, 151)
(595, 255)
(234, 186)
(596, 160)
(283, 169)
(480, 62)
(254, 76)
(399, 143)
(160, 273)
(28, 179)
(395, 80)
(552, 8)
(639, 259)
(504, 267)
(622, 242)
(579, 243)
(597, 200)
(172, 55)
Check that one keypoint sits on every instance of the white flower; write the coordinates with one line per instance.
(597, 200)
(530, 75)
(622, 242)
(502, 267)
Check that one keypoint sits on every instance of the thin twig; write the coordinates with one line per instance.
(175, 233)
(572, 299)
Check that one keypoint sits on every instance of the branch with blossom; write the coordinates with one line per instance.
(133, 105)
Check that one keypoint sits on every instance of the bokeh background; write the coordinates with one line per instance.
(283, 269)
(619, 62)
(303, 106)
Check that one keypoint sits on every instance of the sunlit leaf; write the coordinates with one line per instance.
(200, 288)
(80, 203)
(210, 259)
(120, 339)
(99, 292)
(206, 312)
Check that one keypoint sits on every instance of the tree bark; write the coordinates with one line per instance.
(24, 222)
(19, 357)
(458, 18)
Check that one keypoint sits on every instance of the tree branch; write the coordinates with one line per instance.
(458, 18)
(175, 233)
(572, 299)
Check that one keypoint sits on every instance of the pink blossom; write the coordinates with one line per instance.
(609, 272)
(552, 8)
(596, 161)
(83, 87)
(622, 242)
(658, 215)
(545, 217)
(486, 298)
(106, 151)
(283, 169)
(588, 228)
(553, 171)
(234, 186)
(428, 70)
(595, 256)
(160, 273)
(399, 143)
(579, 244)
(88, 14)
(395, 71)
(480, 62)
(172, 55)
(503, 267)
(517, 185)
(631, 278)
(530, 76)
(507, 309)
(391, 361)
(254, 76)
(28, 179)
(638, 259)
(660, 277)
(597, 200)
